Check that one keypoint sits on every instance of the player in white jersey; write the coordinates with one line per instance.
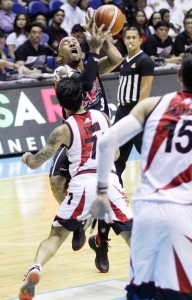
(161, 244)
(79, 134)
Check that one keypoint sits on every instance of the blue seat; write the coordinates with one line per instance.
(18, 8)
(95, 4)
(51, 63)
(54, 5)
(35, 6)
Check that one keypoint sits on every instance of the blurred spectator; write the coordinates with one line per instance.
(186, 5)
(73, 15)
(176, 12)
(78, 32)
(184, 39)
(189, 12)
(142, 23)
(41, 18)
(32, 54)
(129, 8)
(155, 17)
(84, 5)
(142, 5)
(2, 45)
(156, 3)
(165, 15)
(56, 33)
(15, 67)
(19, 35)
(7, 17)
(160, 44)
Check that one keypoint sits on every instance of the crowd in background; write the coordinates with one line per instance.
(166, 28)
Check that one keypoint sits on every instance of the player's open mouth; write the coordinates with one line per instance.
(74, 51)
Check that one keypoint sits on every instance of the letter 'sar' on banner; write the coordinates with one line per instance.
(27, 117)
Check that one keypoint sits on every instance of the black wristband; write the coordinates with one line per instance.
(102, 188)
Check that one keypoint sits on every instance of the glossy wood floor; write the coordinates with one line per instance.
(27, 211)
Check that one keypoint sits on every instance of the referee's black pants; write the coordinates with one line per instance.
(125, 150)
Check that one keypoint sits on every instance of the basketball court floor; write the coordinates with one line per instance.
(27, 211)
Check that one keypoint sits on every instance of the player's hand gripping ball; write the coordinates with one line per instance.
(111, 16)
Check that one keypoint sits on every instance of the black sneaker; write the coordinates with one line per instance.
(101, 259)
(79, 239)
(27, 290)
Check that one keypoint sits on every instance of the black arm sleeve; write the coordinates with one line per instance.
(90, 72)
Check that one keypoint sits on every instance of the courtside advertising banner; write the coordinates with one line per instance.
(27, 117)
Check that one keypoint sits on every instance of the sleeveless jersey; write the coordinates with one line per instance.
(94, 99)
(167, 151)
(85, 129)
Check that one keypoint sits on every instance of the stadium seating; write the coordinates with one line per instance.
(18, 8)
(54, 5)
(51, 62)
(35, 6)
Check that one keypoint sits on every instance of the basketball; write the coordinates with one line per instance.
(61, 72)
(111, 16)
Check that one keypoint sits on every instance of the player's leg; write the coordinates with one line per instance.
(59, 174)
(59, 178)
(122, 213)
(99, 243)
(144, 242)
(58, 185)
(46, 250)
(120, 163)
(125, 150)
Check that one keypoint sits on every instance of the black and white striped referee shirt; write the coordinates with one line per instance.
(131, 72)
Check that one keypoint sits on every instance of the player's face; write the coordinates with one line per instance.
(132, 41)
(70, 51)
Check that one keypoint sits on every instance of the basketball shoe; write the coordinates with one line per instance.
(101, 250)
(27, 290)
(79, 239)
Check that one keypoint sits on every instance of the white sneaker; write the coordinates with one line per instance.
(27, 290)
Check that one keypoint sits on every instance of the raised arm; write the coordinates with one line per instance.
(111, 59)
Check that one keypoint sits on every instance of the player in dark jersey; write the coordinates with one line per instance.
(71, 56)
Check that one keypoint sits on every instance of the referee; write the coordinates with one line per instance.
(136, 76)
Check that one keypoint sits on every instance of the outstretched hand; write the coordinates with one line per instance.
(100, 208)
(97, 37)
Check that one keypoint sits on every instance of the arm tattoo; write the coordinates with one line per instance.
(53, 143)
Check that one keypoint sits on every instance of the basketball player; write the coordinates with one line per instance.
(161, 244)
(79, 134)
(71, 55)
